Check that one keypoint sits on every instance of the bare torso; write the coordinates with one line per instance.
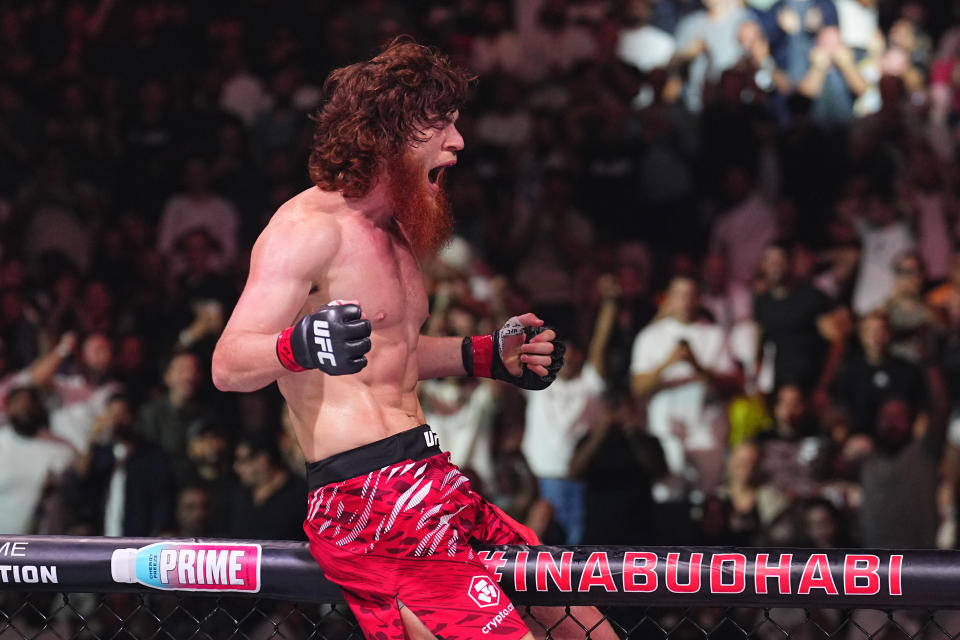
(374, 266)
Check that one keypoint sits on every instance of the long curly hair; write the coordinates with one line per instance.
(372, 110)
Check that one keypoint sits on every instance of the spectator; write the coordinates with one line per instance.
(270, 505)
(642, 44)
(884, 237)
(872, 375)
(743, 231)
(793, 455)
(128, 480)
(743, 490)
(707, 41)
(18, 328)
(81, 395)
(194, 515)
(618, 464)
(823, 524)
(728, 301)
(166, 420)
(803, 328)
(198, 207)
(34, 462)
(923, 198)
(210, 459)
(912, 323)
(560, 415)
(515, 491)
(832, 80)
(683, 366)
(898, 472)
(462, 414)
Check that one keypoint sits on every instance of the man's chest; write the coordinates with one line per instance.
(379, 272)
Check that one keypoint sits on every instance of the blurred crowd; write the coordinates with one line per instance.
(740, 215)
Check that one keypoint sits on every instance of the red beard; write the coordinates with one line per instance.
(424, 215)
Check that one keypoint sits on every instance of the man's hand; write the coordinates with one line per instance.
(609, 287)
(522, 352)
(333, 339)
(681, 353)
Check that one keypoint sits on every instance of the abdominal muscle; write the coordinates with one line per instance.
(332, 414)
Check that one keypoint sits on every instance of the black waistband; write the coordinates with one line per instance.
(414, 444)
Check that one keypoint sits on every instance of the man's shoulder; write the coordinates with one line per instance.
(658, 326)
(306, 220)
(44, 446)
(309, 207)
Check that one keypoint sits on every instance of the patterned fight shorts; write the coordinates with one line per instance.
(392, 520)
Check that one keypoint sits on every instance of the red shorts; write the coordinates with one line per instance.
(401, 530)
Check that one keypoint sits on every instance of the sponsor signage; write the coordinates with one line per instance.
(645, 576)
(190, 566)
(698, 576)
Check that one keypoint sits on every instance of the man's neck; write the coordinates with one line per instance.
(375, 206)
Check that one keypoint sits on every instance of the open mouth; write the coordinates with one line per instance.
(435, 175)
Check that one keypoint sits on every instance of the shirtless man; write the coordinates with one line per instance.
(389, 518)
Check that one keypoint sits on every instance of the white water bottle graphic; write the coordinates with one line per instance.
(190, 566)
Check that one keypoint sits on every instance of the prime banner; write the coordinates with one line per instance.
(655, 576)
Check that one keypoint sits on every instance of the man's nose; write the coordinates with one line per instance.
(454, 141)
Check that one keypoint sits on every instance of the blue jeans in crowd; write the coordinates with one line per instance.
(566, 496)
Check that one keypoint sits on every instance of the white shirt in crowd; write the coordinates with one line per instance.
(213, 214)
(723, 49)
(742, 234)
(557, 418)
(880, 246)
(858, 24)
(682, 414)
(646, 47)
(466, 432)
(116, 492)
(28, 463)
(75, 407)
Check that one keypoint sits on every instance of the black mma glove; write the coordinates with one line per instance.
(333, 339)
(482, 357)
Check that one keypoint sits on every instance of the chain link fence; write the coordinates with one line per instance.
(139, 616)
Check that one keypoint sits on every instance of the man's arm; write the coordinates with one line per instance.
(45, 367)
(834, 327)
(439, 357)
(442, 357)
(285, 258)
(609, 290)
(647, 382)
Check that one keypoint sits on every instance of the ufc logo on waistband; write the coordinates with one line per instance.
(321, 336)
(432, 439)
